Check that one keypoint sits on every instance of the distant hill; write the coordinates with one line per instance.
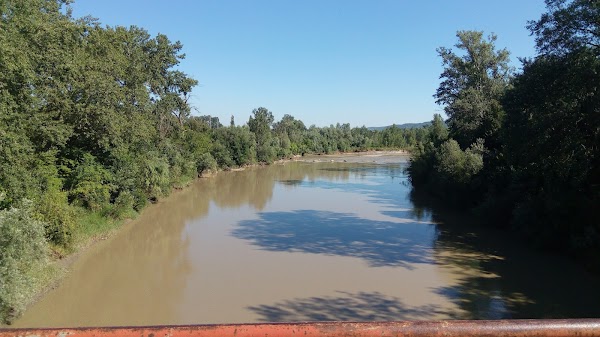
(402, 126)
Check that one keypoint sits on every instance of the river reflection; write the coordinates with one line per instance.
(502, 278)
(304, 242)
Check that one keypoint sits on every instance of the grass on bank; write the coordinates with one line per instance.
(30, 264)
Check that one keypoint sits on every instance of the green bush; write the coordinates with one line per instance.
(422, 162)
(123, 205)
(91, 184)
(241, 144)
(126, 168)
(181, 170)
(156, 176)
(457, 166)
(58, 217)
(265, 153)
(23, 250)
(176, 176)
(221, 154)
(446, 170)
(140, 199)
(206, 163)
(295, 149)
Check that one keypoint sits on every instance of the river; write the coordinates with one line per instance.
(309, 241)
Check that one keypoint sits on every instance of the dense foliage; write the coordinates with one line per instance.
(22, 254)
(527, 152)
(95, 122)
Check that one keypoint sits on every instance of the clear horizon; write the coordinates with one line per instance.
(367, 63)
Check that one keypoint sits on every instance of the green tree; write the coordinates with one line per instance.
(212, 122)
(290, 132)
(472, 87)
(239, 142)
(569, 25)
(260, 124)
(438, 131)
(552, 137)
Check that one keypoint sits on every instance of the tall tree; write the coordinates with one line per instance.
(438, 131)
(260, 124)
(568, 25)
(472, 86)
(552, 129)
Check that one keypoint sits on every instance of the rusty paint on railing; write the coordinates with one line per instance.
(515, 328)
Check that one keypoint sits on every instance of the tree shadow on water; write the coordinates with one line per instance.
(362, 306)
(500, 279)
(379, 243)
(498, 276)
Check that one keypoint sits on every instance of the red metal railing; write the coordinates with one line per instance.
(515, 328)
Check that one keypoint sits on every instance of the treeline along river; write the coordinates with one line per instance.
(310, 241)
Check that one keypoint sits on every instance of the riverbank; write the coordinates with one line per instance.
(96, 228)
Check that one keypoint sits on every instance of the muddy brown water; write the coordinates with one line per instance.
(309, 241)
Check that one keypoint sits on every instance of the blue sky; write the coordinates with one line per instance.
(364, 62)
